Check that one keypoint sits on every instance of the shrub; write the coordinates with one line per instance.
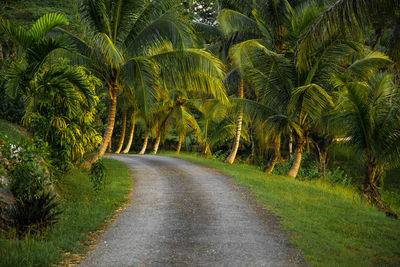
(98, 175)
(32, 214)
(29, 179)
(338, 176)
(25, 165)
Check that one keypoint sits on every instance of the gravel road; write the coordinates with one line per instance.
(183, 214)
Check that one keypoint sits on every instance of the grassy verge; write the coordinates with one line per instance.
(7, 129)
(84, 212)
(329, 223)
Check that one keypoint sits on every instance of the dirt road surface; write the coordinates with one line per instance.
(183, 214)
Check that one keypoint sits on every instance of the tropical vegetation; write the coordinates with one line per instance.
(305, 89)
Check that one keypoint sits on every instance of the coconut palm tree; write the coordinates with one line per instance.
(119, 32)
(369, 104)
(129, 40)
(267, 63)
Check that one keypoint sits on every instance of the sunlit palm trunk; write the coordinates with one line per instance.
(110, 124)
(156, 145)
(178, 150)
(297, 160)
(146, 140)
(277, 155)
(290, 144)
(231, 157)
(121, 140)
(129, 144)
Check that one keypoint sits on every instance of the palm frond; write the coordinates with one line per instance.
(231, 21)
(46, 23)
(340, 16)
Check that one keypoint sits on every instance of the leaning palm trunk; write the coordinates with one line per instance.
(156, 145)
(110, 124)
(322, 146)
(290, 144)
(231, 157)
(121, 140)
(371, 190)
(181, 138)
(297, 160)
(146, 140)
(129, 144)
(277, 155)
(109, 146)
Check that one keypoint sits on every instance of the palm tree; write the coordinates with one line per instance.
(290, 100)
(130, 47)
(250, 25)
(120, 31)
(37, 48)
(369, 105)
(350, 16)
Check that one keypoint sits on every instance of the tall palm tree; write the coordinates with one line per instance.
(137, 42)
(268, 64)
(119, 31)
(250, 25)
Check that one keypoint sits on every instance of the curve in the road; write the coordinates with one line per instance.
(183, 214)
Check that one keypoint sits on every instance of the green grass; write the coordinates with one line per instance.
(329, 223)
(9, 130)
(84, 212)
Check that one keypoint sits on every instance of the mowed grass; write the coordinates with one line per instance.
(329, 223)
(7, 130)
(84, 212)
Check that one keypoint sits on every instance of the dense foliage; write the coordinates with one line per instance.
(273, 83)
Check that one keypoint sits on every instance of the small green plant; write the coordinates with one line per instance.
(25, 165)
(338, 176)
(33, 214)
(98, 175)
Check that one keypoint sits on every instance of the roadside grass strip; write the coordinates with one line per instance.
(84, 213)
(329, 223)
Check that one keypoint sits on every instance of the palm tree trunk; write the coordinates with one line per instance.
(290, 144)
(109, 146)
(231, 157)
(155, 147)
(181, 138)
(146, 140)
(121, 140)
(129, 144)
(297, 160)
(110, 124)
(277, 155)
(371, 189)
(322, 146)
